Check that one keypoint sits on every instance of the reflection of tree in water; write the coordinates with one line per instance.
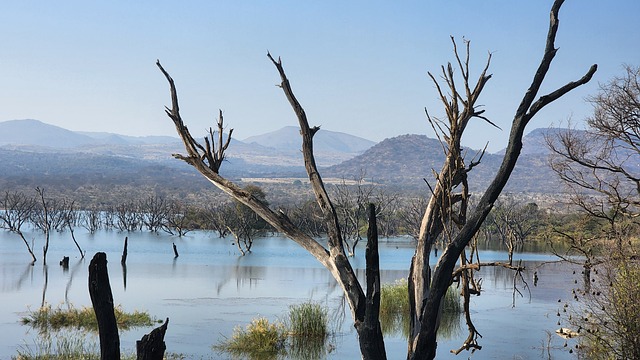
(74, 269)
(395, 321)
(26, 274)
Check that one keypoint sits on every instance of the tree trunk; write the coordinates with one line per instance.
(152, 346)
(369, 331)
(102, 301)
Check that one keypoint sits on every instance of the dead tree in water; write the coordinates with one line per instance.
(445, 215)
(207, 160)
(102, 301)
(152, 346)
(17, 209)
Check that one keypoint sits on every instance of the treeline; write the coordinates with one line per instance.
(512, 222)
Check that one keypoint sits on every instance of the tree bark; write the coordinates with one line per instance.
(369, 330)
(152, 345)
(102, 301)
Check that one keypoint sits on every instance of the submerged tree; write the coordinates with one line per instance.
(445, 215)
(17, 209)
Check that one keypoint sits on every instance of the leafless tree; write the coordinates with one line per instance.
(128, 217)
(243, 223)
(16, 211)
(42, 219)
(70, 216)
(351, 202)
(600, 166)
(513, 222)
(178, 219)
(153, 212)
(307, 217)
(446, 211)
(91, 219)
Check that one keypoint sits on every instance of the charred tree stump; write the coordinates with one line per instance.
(370, 332)
(152, 346)
(102, 301)
(65, 262)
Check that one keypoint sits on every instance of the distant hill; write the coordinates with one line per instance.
(36, 133)
(535, 142)
(405, 161)
(35, 153)
(288, 138)
(280, 148)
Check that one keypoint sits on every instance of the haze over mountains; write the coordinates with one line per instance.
(33, 151)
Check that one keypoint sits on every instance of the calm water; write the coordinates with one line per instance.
(210, 289)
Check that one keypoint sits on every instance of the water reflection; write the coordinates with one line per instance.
(212, 289)
(74, 270)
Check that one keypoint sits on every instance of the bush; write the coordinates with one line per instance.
(610, 313)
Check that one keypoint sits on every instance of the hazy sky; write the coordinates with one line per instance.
(356, 66)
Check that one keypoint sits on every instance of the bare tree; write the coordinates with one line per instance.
(42, 219)
(446, 211)
(351, 202)
(243, 223)
(447, 208)
(513, 222)
(16, 211)
(599, 166)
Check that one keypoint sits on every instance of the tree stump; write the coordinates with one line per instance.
(65, 262)
(152, 346)
(102, 301)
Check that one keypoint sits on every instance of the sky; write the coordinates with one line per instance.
(358, 67)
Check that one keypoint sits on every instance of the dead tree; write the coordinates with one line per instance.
(446, 211)
(447, 208)
(152, 346)
(102, 301)
(17, 209)
(207, 160)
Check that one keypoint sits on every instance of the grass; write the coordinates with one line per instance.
(46, 318)
(394, 310)
(74, 344)
(308, 320)
(306, 329)
(259, 340)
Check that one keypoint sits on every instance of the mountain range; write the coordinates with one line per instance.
(32, 151)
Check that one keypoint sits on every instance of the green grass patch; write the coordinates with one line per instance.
(46, 318)
(76, 344)
(303, 335)
(394, 310)
(259, 340)
(308, 320)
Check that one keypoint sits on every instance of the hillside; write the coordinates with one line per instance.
(405, 161)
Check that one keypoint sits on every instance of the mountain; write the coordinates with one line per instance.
(277, 149)
(33, 152)
(288, 138)
(36, 133)
(405, 161)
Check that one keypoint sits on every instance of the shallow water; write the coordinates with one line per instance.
(209, 289)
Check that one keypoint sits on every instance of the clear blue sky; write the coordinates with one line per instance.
(356, 66)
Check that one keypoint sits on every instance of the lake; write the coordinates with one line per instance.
(209, 289)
